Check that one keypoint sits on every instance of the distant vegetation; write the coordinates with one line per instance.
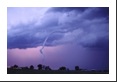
(42, 69)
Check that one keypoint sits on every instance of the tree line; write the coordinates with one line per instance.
(41, 67)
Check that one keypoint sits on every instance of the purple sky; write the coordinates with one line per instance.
(84, 42)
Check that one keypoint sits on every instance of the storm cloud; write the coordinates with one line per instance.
(87, 26)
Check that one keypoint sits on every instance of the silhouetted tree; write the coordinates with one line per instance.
(26, 67)
(47, 68)
(76, 67)
(67, 69)
(43, 67)
(62, 68)
(40, 67)
(31, 67)
(15, 67)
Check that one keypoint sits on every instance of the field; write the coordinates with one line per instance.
(34, 71)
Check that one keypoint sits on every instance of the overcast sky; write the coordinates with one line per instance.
(81, 36)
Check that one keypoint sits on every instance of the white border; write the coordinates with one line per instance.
(57, 3)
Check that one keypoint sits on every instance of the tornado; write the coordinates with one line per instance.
(41, 50)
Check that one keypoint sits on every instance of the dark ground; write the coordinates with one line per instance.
(34, 71)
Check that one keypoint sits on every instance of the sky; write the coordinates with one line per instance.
(76, 36)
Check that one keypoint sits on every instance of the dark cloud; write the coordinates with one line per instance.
(101, 44)
(87, 27)
(99, 12)
(67, 9)
(28, 38)
(90, 12)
